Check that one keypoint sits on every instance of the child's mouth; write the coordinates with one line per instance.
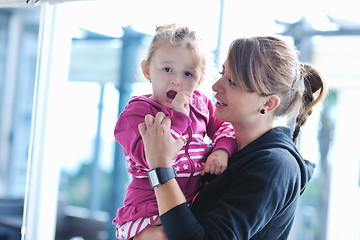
(171, 94)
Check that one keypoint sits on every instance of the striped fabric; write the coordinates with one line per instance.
(133, 228)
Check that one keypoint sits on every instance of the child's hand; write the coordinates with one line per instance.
(216, 163)
(181, 102)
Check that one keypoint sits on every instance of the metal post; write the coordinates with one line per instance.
(132, 41)
(219, 42)
(302, 41)
(94, 195)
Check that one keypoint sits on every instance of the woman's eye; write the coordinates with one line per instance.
(188, 74)
(221, 73)
(167, 69)
(231, 82)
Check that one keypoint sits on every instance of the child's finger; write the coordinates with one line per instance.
(218, 170)
(206, 169)
(212, 169)
(222, 169)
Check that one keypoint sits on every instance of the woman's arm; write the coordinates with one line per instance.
(160, 149)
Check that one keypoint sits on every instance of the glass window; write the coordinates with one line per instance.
(18, 56)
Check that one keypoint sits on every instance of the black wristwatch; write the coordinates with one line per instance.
(159, 176)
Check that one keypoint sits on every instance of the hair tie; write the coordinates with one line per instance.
(295, 134)
(294, 80)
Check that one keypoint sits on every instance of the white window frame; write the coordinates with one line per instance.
(40, 207)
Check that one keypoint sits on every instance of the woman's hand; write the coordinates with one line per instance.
(160, 146)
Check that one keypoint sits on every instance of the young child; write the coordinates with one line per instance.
(175, 66)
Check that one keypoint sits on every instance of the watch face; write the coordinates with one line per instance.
(154, 180)
(160, 176)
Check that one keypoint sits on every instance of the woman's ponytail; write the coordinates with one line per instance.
(315, 90)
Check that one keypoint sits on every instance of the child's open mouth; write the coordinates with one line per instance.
(171, 94)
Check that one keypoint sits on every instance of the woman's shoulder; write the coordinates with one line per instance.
(277, 154)
(270, 160)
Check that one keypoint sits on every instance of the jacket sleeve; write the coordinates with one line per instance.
(127, 134)
(256, 194)
(221, 133)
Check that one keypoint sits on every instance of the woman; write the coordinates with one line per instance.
(256, 196)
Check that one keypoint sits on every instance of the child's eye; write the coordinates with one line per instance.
(167, 69)
(188, 74)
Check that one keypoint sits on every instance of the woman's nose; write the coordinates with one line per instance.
(216, 85)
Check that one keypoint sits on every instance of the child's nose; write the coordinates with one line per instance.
(176, 80)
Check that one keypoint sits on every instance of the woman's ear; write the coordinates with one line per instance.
(145, 69)
(272, 102)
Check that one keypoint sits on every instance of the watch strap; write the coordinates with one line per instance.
(159, 176)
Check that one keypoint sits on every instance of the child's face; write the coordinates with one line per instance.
(171, 70)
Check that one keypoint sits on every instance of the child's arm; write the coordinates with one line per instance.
(221, 133)
(216, 163)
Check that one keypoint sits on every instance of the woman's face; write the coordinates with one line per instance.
(234, 104)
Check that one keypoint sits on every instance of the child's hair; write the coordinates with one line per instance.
(269, 65)
(179, 36)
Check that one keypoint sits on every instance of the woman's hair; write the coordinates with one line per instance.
(270, 66)
(179, 36)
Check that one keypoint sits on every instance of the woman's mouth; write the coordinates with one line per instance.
(171, 94)
(221, 103)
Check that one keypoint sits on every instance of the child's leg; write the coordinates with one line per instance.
(133, 228)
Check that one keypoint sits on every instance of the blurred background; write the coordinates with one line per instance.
(67, 69)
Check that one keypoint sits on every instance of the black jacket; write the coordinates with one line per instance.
(254, 198)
